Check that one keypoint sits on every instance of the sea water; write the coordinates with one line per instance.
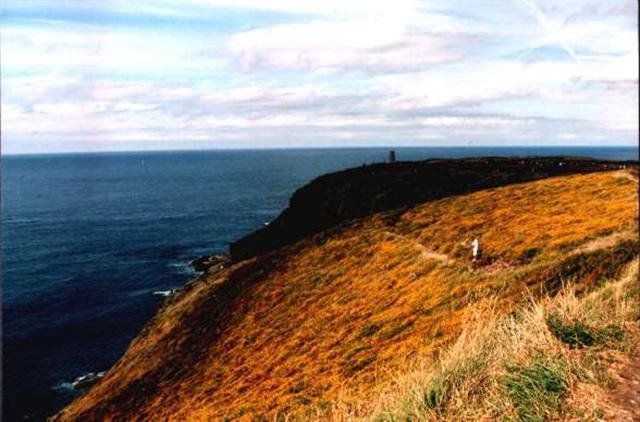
(87, 239)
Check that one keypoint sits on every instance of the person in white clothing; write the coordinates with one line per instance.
(475, 248)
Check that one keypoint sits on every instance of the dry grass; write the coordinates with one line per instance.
(328, 322)
(516, 367)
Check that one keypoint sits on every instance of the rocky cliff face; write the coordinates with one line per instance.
(354, 193)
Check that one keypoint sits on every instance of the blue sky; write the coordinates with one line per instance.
(148, 75)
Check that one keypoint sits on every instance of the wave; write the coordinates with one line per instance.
(81, 383)
(165, 293)
(183, 268)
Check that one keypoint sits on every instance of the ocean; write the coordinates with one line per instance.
(88, 238)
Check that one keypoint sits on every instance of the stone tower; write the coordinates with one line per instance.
(392, 157)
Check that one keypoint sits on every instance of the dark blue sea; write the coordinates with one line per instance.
(88, 238)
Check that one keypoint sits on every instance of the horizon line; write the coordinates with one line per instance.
(138, 151)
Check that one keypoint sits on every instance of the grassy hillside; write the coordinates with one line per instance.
(328, 326)
(553, 358)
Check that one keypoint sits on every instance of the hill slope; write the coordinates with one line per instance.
(357, 192)
(335, 317)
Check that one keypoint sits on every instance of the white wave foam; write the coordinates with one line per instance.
(80, 383)
(183, 267)
(164, 293)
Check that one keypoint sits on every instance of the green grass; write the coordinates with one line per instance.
(440, 389)
(536, 390)
(577, 334)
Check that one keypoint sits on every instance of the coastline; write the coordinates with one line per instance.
(141, 258)
(227, 280)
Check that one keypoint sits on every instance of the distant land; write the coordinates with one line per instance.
(362, 300)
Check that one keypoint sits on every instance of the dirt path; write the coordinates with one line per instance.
(604, 242)
(425, 253)
(625, 372)
(626, 393)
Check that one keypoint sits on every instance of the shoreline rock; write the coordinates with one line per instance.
(210, 263)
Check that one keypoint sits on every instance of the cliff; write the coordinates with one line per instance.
(369, 318)
(357, 192)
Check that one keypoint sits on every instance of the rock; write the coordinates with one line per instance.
(206, 264)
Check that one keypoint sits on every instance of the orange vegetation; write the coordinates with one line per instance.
(335, 316)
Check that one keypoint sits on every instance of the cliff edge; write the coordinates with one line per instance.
(388, 317)
(358, 192)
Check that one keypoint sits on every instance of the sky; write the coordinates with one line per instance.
(124, 75)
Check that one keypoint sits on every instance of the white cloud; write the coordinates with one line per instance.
(75, 50)
(353, 45)
(354, 71)
(382, 37)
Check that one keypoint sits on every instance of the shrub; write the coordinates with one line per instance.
(588, 267)
(528, 255)
(303, 400)
(622, 181)
(369, 330)
(361, 364)
(394, 331)
(357, 350)
(297, 388)
(435, 395)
